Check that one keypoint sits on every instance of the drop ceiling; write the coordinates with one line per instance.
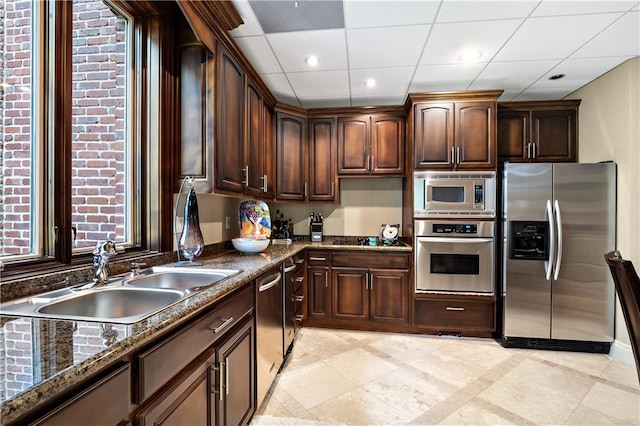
(416, 46)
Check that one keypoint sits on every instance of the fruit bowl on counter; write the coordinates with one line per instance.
(250, 245)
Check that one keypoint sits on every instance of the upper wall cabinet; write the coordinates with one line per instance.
(371, 145)
(323, 184)
(291, 157)
(244, 140)
(454, 130)
(545, 131)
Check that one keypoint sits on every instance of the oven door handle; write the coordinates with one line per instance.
(472, 240)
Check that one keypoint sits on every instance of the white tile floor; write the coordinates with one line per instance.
(366, 378)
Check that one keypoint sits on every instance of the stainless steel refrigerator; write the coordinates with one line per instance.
(558, 222)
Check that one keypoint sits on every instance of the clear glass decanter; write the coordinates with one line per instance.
(191, 241)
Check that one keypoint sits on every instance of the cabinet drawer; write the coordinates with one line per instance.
(455, 314)
(319, 258)
(107, 402)
(160, 363)
(367, 259)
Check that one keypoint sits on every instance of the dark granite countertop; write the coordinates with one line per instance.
(40, 358)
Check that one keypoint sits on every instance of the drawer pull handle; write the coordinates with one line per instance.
(297, 298)
(298, 318)
(299, 261)
(289, 268)
(318, 259)
(454, 308)
(225, 323)
(299, 279)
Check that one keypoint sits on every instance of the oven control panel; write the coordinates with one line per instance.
(458, 228)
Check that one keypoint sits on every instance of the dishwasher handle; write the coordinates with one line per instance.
(272, 283)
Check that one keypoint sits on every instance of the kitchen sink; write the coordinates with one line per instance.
(183, 278)
(117, 303)
(124, 300)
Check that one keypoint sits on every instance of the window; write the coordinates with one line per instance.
(72, 154)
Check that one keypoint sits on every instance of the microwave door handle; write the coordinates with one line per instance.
(472, 240)
(556, 206)
(548, 265)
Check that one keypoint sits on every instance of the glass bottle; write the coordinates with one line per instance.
(191, 240)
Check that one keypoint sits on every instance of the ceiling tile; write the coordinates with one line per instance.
(555, 7)
(320, 83)
(292, 49)
(366, 100)
(389, 80)
(622, 38)
(336, 102)
(302, 15)
(507, 75)
(510, 94)
(251, 25)
(578, 72)
(438, 78)
(448, 41)
(544, 94)
(279, 85)
(382, 47)
(367, 14)
(457, 11)
(259, 53)
(553, 37)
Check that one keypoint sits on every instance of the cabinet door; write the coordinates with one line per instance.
(388, 295)
(291, 158)
(236, 361)
(322, 159)
(350, 298)
(513, 135)
(318, 293)
(353, 145)
(190, 401)
(254, 151)
(387, 145)
(433, 135)
(554, 133)
(475, 135)
(229, 142)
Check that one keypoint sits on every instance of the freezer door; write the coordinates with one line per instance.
(526, 291)
(583, 293)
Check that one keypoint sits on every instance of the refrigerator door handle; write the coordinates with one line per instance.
(552, 242)
(558, 262)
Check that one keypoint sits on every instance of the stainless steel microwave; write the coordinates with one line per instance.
(468, 194)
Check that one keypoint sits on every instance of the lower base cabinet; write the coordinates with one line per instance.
(453, 314)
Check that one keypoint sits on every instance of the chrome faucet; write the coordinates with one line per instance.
(101, 254)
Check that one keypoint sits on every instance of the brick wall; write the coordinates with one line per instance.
(15, 342)
(98, 125)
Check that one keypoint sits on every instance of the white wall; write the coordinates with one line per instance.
(609, 124)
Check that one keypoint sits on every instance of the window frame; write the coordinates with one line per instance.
(150, 126)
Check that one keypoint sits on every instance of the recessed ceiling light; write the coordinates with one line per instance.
(557, 76)
(470, 55)
(370, 82)
(312, 60)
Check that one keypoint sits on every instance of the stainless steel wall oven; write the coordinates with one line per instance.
(454, 256)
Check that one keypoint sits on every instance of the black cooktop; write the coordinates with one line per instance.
(364, 241)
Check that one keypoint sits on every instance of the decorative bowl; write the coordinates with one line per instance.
(250, 245)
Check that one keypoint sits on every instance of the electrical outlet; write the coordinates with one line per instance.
(227, 222)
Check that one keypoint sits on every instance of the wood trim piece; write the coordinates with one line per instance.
(471, 95)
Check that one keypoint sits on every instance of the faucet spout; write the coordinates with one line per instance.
(101, 254)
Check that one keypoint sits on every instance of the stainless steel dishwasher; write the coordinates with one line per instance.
(269, 332)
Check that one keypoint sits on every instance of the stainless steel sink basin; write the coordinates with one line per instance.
(117, 303)
(122, 305)
(182, 278)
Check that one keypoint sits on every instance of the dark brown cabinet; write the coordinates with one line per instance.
(235, 359)
(455, 314)
(318, 285)
(259, 146)
(371, 145)
(291, 155)
(322, 160)
(538, 131)
(455, 131)
(373, 287)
